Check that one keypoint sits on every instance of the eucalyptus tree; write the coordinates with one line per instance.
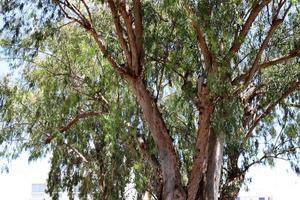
(179, 98)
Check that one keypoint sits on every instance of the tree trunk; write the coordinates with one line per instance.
(172, 188)
(206, 170)
(213, 174)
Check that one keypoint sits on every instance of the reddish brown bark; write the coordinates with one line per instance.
(172, 189)
(205, 174)
(255, 10)
(201, 158)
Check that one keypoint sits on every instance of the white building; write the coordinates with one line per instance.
(254, 198)
(38, 192)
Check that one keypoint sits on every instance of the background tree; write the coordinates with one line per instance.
(182, 96)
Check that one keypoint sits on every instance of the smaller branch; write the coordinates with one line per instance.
(159, 82)
(201, 39)
(294, 105)
(68, 16)
(276, 22)
(77, 152)
(271, 106)
(88, 10)
(131, 36)
(88, 26)
(282, 128)
(255, 67)
(75, 10)
(77, 118)
(121, 71)
(66, 24)
(292, 54)
(50, 137)
(276, 156)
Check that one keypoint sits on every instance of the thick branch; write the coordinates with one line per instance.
(119, 30)
(255, 10)
(139, 30)
(202, 45)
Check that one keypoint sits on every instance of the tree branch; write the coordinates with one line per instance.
(88, 10)
(86, 24)
(275, 61)
(139, 30)
(131, 37)
(119, 30)
(203, 134)
(77, 118)
(255, 10)
(201, 40)
(255, 67)
(121, 71)
(166, 152)
(276, 22)
(276, 156)
(293, 87)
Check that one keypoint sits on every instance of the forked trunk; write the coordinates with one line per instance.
(172, 188)
(205, 174)
(206, 170)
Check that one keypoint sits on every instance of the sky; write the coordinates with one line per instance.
(279, 182)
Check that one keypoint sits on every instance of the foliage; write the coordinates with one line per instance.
(69, 102)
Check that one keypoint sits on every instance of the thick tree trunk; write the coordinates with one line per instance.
(213, 174)
(172, 188)
(206, 170)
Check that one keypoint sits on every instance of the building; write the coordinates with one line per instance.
(38, 192)
(254, 198)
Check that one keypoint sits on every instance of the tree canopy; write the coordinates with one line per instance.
(179, 98)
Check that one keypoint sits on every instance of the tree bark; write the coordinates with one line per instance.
(200, 161)
(172, 188)
(215, 160)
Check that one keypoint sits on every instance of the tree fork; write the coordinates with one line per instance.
(172, 187)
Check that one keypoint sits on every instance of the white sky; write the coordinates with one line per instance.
(279, 182)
